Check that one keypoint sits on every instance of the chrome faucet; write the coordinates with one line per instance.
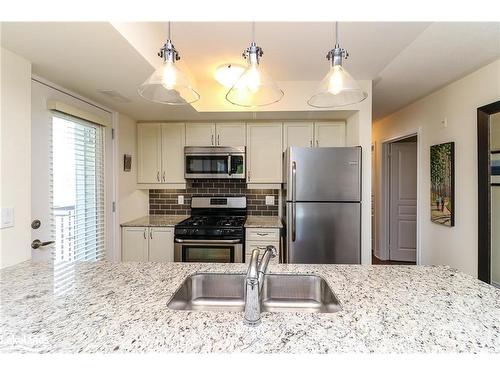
(254, 282)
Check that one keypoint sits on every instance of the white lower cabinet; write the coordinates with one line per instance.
(260, 238)
(142, 244)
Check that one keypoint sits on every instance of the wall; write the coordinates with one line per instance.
(132, 203)
(164, 201)
(457, 103)
(15, 172)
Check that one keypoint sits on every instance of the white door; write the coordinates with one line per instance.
(298, 134)
(148, 153)
(57, 220)
(330, 134)
(161, 244)
(172, 152)
(403, 202)
(264, 152)
(230, 134)
(135, 244)
(200, 134)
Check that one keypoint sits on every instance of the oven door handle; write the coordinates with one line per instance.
(178, 240)
(229, 166)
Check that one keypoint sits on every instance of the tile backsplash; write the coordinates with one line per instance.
(164, 201)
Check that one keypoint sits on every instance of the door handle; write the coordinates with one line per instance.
(144, 233)
(37, 243)
(158, 176)
(317, 143)
(294, 180)
(163, 176)
(293, 221)
(218, 139)
(150, 233)
(212, 139)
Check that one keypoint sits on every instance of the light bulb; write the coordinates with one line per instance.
(336, 83)
(169, 76)
(253, 81)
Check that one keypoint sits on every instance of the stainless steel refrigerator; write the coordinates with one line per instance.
(323, 205)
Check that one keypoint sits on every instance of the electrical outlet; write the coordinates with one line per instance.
(444, 122)
(269, 200)
(7, 219)
(180, 199)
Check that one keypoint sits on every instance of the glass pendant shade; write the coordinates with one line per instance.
(168, 85)
(337, 89)
(254, 88)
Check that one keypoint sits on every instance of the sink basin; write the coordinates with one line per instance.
(280, 293)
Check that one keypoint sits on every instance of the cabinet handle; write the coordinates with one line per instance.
(150, 233)
(310, 143)
(212, 139)
(158, 176)
(249, 174)
(144, 233)
(218, 139)
(262, 234)
(163, 176)
(317, 143)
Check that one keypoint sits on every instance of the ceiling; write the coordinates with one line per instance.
(405, 60)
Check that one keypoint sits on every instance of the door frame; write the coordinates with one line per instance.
(484, 191)
(384, 215)
(111, 184)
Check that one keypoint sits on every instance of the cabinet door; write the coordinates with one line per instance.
(264, 152)
(172, 152)
(161, 244)
(230, 134)
(134, 244)
(298, 134)
(200, 134)
(148, 153)
(329, 134)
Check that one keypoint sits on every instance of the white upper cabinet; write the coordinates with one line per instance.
(148, 153)
(230, 134)
(200, 134)
(172, 152)
(330, 134)
(300, 134)
(264, 152)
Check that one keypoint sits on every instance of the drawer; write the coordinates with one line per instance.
(250, 246)
(263, 234)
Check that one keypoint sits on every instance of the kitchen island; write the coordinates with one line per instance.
(122, 307)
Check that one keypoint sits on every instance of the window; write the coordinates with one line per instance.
(78, 194)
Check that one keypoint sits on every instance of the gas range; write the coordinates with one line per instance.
(214, 233)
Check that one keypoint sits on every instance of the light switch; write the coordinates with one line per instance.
(269, 200)
(7, 219)
(180, 199)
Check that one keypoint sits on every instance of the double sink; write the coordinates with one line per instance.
(280, 293)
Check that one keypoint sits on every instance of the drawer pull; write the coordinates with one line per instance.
(262, 234)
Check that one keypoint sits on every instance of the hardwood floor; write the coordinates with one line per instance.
(375, 260)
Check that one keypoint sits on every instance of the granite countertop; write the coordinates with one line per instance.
(156, 221)
(263, 222)
(121, 307)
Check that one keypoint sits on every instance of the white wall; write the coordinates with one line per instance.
(132, 203)
(457, 103)
(15, 172)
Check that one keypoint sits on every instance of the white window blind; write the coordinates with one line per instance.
(78, 193)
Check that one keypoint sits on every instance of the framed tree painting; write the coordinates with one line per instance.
(443, 184)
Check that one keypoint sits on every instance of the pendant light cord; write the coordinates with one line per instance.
(169, 30)
(253, 31)
(336, 33)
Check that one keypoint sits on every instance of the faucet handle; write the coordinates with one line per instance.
(272, 249)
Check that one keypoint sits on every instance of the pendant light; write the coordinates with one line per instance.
(168, 84)
(338, 88)
(254, 88)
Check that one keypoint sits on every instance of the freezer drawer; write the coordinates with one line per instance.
(323, 233)
(324, 174)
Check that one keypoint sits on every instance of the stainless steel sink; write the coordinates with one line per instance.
(280, 293)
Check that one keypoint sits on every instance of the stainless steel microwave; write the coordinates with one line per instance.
(214, 162)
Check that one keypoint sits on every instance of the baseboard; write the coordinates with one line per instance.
(495, 284)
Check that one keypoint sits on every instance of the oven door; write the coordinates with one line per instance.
(208, 251)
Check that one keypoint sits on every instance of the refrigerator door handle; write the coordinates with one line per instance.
(294, 180)
(293, 221)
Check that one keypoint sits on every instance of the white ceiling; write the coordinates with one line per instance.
(405, 60)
